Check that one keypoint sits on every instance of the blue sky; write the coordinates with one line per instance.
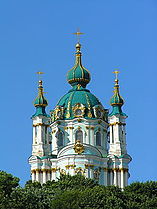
(37, 35)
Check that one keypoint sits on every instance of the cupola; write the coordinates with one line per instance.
(116, 100)
(40, 101)
(78, 75)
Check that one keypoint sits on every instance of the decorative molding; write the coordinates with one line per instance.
(41, 124)
(41, 170)
(53, 169)
(89, 166)
(116, 169)
(117, 123)
(70, 166)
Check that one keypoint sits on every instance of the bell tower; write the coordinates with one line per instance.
(41, 145)
(119, 159)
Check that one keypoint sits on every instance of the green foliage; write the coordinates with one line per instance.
(67, 182)
(7, 183)
(141, 195)
(74, 192)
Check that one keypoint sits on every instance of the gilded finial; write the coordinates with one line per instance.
(78, 33)
(116, 72)
(40, 83)
(39, 75)
(40, 100)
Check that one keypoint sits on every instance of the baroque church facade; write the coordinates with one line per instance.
(80, 136)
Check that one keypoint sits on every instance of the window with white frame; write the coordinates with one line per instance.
(60, 138)
(79, 136)
(98, 138)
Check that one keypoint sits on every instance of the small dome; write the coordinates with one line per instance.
(78, 74)
(40, 100)
(116, 99)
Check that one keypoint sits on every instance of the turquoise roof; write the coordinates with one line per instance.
(116, 101)
(116, 110)
(75, 96)
(40, 102)
(78, 74)
(40, 111)
(79, 102)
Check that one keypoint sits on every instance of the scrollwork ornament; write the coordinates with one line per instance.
(78, 147)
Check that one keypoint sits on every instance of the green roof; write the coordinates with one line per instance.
(78, 74)
(116, 101)
(40, 102)
(40, 111)
(116, 110)
(75, 96)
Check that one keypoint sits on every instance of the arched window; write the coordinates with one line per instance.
(79, 136)
(98, 139)
(60, 138)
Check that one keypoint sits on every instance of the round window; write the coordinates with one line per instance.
(78, 112)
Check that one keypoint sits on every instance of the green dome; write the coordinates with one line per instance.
(116, 101)
(40, 100)
(78, 74)
(79, 102)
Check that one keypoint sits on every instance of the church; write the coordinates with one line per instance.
(80, 136)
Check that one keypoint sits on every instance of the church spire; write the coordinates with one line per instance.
(116, 100)
(40, 101)
(78, 75)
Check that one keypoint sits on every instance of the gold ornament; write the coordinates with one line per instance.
(78, 147)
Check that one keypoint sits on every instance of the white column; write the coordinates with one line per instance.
(72, 171)
(91, 173)
(105, 177)
(53, 175)
(48, 176)
(115, 178)
(44, 177)
(111, 177)
(88, 136)
(37, 176)
(126, 178)
(111, 134)
(54, 143)
(92, 136)
(122, 178)
(72, 139)
(33, 176)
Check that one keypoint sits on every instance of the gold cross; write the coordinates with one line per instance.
(78, 33)
(116, 73)
(39, 74)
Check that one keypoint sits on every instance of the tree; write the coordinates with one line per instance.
(7, 183)
(74, 192)
(67, 182)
